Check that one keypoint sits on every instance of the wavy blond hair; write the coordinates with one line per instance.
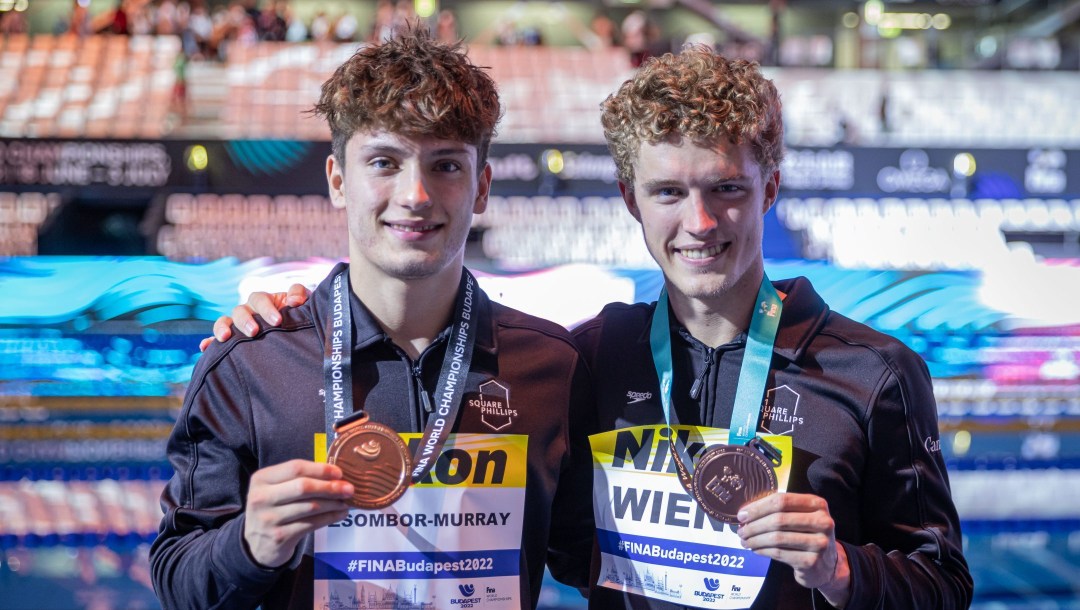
(698, 95)
(412, 85)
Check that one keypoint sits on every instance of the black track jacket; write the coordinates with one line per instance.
(860, 409)
(256, 402)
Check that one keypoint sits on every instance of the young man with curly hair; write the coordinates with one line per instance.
(484, 395)
(758, 378)
(867, 520)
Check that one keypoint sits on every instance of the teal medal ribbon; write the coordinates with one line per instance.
(720, 494)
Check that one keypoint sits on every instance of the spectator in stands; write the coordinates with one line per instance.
(271, 24)
(345, 28)
(78, 22)
(14, 22)
(295, 29)
(867, 520)
(200, 26)
(600, 34)
(404, 15)
(446, 27)
(178, 104)
(247, 32)
(507, 33)
(532, 36)
(382, 28)
(320, 27)
(118, 22)
(604, 30)
(165, 18)
(189, 42)
(640, 36)
(251, 7)
(140, 18)
(232, 25)
(391, 18)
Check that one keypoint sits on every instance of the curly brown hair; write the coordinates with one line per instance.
(413, 85)
(699, 95)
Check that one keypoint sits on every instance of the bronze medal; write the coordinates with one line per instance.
(374, 459)
(730, 476)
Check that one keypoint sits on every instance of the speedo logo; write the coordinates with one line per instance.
(636, 397)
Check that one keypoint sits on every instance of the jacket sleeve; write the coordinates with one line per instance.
(199, 559)
(914, 558)
(572, 523)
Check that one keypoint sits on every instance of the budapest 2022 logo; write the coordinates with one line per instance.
(468, 601)
(712, 584)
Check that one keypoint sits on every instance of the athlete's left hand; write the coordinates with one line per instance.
(798, 530)
(266, 304)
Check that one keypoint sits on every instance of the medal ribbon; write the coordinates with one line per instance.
(753, 373)
(337, 356)
(337, 369)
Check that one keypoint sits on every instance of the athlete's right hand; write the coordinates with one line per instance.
(268, 305)
(287, 501)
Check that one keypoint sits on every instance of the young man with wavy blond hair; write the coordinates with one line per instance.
(867, 519)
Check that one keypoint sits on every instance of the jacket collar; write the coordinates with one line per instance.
(804, 314)
(366, 331)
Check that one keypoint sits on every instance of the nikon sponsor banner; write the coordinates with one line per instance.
(654, 538)
(452, 541)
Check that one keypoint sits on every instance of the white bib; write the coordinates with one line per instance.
(654, 539)
(453, 542)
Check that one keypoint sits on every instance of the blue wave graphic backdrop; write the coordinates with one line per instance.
(117, 326)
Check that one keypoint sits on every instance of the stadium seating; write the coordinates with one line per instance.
(994, 109)
(528, 232)
(95, 86)
(914, 233)
(272, 85)
(208, 226)
(541, 231)
(21, 216)
(121, 87)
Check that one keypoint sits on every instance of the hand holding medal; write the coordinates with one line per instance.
(373, 458)
(727, 477)
(371, 455)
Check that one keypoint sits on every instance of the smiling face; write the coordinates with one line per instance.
(409, 202)
(701, 209)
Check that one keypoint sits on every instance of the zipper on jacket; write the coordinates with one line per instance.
(695, 389)
(425, 400)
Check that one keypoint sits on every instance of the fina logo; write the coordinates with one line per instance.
(467, 590)
(712, 584)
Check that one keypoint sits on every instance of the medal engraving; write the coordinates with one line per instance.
(374, 459)
(730, 476)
